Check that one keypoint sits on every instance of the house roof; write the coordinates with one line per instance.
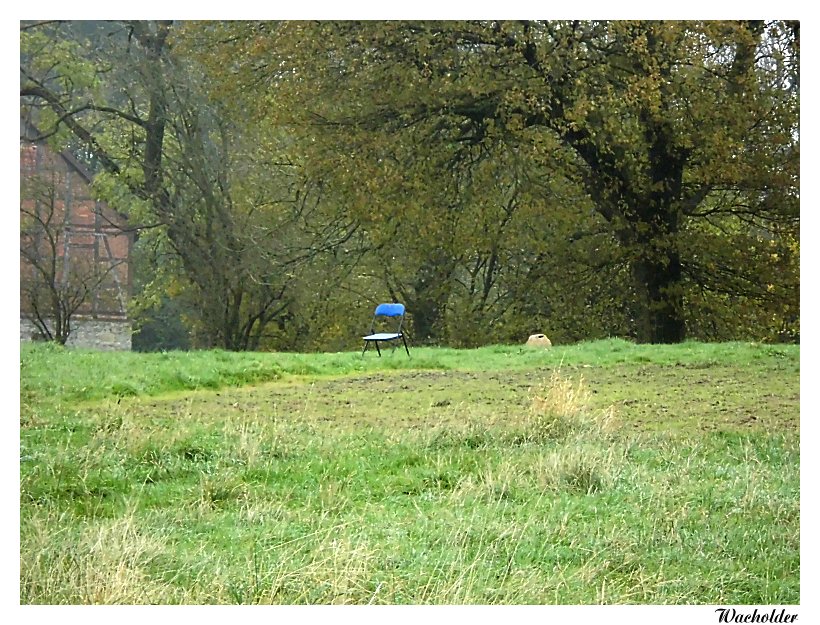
(29, 133)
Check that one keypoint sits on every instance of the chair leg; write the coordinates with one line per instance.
(376, 343)
(405, 345)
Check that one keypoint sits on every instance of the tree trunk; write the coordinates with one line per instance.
(660, 315)
(427, 314)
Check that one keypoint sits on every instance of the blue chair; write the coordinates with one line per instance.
(386, 310)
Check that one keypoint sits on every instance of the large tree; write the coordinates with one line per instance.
(683, 135)
(235, 216)
(584, 178)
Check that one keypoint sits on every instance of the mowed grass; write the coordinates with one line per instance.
(603, 472)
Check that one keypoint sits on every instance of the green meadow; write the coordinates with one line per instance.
(602, 472)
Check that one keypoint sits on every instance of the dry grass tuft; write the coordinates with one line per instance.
(104, 563)
(560, 408)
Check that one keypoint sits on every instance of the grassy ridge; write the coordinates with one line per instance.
(597, 473)
(49, 371)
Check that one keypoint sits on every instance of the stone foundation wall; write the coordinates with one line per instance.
(89, 334)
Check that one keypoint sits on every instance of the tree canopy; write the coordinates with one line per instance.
(585, 179)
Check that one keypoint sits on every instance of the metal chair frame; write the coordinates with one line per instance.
(386, 310)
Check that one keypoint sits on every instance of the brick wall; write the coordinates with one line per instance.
(89, 242)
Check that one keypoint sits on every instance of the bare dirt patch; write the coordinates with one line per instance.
(648, 397)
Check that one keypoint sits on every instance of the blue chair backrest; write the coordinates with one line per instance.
(389, 310)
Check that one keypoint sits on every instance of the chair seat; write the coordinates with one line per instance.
(382, 336)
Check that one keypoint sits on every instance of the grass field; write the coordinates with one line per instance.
(603, 472)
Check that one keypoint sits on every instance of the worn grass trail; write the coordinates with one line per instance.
(604, 473)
